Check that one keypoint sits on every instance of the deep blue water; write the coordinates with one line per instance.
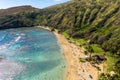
(30, 54)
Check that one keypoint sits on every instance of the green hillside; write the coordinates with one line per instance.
(16, 10)
(95, 21)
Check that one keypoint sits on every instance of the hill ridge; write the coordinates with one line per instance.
(15, 10)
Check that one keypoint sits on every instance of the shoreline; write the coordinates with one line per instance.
(75, 70)
(68, 56)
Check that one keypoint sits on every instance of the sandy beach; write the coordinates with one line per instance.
(76, 70)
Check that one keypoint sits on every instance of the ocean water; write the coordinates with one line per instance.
(30, 54)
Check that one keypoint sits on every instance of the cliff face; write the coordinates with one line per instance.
(94, 20)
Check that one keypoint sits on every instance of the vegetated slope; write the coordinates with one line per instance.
(15, 10)
(15, 17)
(94, 20)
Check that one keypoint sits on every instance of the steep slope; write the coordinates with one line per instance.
(95, 20)
(15, 10)
(15, 17)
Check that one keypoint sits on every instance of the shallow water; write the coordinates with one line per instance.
(30, 54)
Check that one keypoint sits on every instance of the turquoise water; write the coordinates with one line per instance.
(30, 54)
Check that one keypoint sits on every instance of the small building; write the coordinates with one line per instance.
(101, 57)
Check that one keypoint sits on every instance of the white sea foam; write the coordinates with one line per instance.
(9, 69)
(3, 47)
(18, 38)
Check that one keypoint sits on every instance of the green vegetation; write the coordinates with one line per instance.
(115, 76)
(16, 10)
(92, 24)
(82, 60)
(97, 49)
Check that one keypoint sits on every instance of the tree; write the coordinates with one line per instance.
(90, 50)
